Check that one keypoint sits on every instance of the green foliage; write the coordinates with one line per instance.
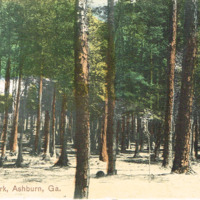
(2, 103)
(141, 52)
(39, 35)
(97, 59)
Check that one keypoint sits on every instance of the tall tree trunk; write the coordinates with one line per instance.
(37, 136)
(21, 125)
(110, 79)
(93, 136)
(71, 127)
(5, 121)
(26, 122)
(63, 160)
(192, 140)
(81, 101)
(123, 136)
(132, 127)
(103, 148)
(170, 84)
(46, 155)
(196, 136)
(141, 140)
(14, 132)
(33, 128)
(158, 126)
(183, 125)
(137, 135)
(53, 149)
(118, 131)
(128, 142)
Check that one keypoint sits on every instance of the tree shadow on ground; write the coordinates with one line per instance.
(141, 160)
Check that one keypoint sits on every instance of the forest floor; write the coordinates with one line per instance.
(132, 180)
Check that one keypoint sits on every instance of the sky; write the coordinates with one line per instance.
(95, 3)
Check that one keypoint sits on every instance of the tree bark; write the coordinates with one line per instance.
(110, 79)
(93, 126)
(167, 159)
(118, 131)
(63, 160)
(46, 155)
(123, 137)
(21, 125)
(132, 127)
(192, 140)
(53, 128)
(141, 140)
(5, 121)
(81, 101)
(183, 125)
(71, 127)
(14, 132)
(103, 148)
(137, 135)
(157, 129)
(128, 142)
(196, 136)
(37, 136)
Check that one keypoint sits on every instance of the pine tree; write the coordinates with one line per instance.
(81, 101)
(53, 127)
(170, 85)
(14, 132)
(110, 79)
(103, 147)
(5, 121)
(183, 125)
(37, 136)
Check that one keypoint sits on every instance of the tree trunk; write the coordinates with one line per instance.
(141, 140)
(196, 136)
(192, 140)
(57, 128)
(110, 79)
(26, 122)
(5, 121)
(53, 149)
(46, 155)
(132, 127)
(103, 148)
(167, 159)
(183, 125)
(128, 142)
(21, 125)
(71, 127)
(93, 125)
(32, 127)
(137, 131)
(157, 129)
(14, 132)
(81, 101)
(37, 136)
(63, 160)
(123, 136)
(118, 131)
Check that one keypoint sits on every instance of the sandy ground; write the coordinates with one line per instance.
(132, 181)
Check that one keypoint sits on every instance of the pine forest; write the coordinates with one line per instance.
(99, 99)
